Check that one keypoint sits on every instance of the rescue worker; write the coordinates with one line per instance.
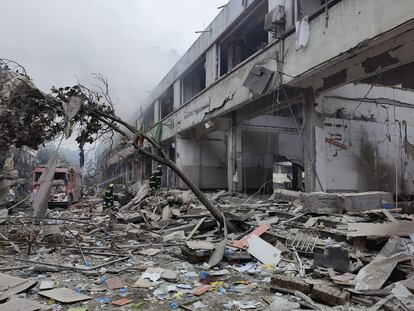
(109, 196)
(155, 178)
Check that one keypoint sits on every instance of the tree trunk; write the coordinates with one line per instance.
(163, 158)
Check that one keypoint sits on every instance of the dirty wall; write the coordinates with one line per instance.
(365, 143)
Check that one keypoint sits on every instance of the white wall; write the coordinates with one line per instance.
(374, 136)
(350, 23)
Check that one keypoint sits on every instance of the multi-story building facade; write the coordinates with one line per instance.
(272, 80)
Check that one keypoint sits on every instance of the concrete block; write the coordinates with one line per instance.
(320, 203)
(291, 283)
(364, 201)
(286, 195)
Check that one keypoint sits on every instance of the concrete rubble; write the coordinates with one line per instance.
(255, 104)
(164, 251)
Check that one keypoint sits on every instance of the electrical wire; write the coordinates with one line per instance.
(373, 83)
(305, 149)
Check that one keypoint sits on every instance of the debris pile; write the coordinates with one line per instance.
(163, 250)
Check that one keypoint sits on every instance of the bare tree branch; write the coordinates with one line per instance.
(41, 117)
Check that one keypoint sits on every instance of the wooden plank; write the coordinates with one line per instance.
(200, 222)
(389, 216)
(385, 229)
(201, 290)
(396, 210)
(258, 232)
(381, 303)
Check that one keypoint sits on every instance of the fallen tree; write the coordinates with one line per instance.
(93, 116)
(28, 117)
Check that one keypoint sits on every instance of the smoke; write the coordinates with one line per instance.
(133, 43)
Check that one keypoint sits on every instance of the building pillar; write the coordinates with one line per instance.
(309, 143)
(234, 156)
(188, 159)
(157, 111)
(177, 94)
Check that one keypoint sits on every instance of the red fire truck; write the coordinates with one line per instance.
(66, 188)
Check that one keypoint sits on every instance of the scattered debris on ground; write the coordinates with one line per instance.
(163, 250)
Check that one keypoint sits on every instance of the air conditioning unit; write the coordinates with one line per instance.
(275, 21)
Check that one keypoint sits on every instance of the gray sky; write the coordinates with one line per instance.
(131, 42)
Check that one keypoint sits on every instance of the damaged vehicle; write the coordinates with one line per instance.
(67, 185)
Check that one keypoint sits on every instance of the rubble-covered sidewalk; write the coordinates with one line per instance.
(164, 251)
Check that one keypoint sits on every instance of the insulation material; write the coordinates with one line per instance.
(302, 33)
(263, 251)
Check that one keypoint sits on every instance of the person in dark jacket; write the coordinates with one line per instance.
(155, 179)
(109, 196)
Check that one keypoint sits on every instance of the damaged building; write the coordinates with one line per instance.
(287, 94)
(314, 96)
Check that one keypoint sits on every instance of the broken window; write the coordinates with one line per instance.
(308, 7)
(244, 40)
(399, 77)
(149, 117)
(194, 81)
(167, 102)
(58, 176)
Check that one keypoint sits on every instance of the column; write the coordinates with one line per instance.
(177, 94)
(310, 119)
(234, 156)
(157, 111)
